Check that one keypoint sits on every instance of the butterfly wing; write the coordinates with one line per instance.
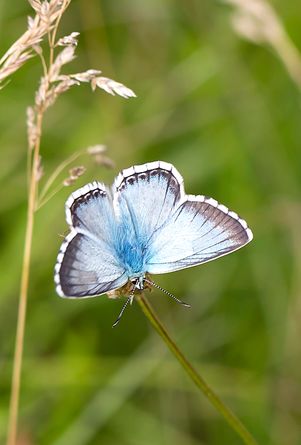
(152, 220)
(175, 230)
(199, 230)
(145, 197)
(87, 264)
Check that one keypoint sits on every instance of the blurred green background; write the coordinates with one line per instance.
(226, 113)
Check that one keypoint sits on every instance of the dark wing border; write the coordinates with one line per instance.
(226, 212)
(143, 168)
(79, 194)
(58, 265)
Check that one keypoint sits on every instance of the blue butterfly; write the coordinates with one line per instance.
(144, 224)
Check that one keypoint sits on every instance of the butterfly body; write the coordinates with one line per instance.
(130, 249)
(145, 224)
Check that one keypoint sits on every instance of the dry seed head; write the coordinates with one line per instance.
(97, 153)
(67, 182)
(256, 21)
(86, 76)
(14, 65)
(96, 149)
(105, 161)
(247, 28)
(38, 49)
(64, 85)
(40, 97)
(36, 5)
(74, 174)
(65, 56)
(57, 90)
(47, 13)
(30, 22)
(70, 40)
(112, 87)
(32, 131)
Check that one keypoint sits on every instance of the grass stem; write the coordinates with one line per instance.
(229, 416)
(17, 364)
(55, 174)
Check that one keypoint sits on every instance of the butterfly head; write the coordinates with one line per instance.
(135, 286)
(140, 283)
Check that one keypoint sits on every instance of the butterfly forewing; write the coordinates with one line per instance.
(90, 208)
(146, 196)
(87, 264)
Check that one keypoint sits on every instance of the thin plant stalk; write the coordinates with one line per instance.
(52, 85)
(52, 36)
(41, 203)
(228, 415)
(17, 363)
(55, 174)
(32, 199)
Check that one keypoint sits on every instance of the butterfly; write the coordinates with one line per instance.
(145, 224)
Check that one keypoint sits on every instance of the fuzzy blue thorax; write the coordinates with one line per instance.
(130, 248)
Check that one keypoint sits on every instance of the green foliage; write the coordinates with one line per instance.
(226, 113)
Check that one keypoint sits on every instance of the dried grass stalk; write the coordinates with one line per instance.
(48, 13)
(52, 84)
(258, 22)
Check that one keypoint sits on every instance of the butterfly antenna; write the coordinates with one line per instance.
(167, 293)
(129, 300)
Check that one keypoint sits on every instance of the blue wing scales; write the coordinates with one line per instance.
(146, 223)
(145, 197)
(176, 230)
(200, 230)
(87, 264)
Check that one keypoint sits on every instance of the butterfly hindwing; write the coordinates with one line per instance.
(199, 230)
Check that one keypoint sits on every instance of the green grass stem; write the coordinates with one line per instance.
(226, 412)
